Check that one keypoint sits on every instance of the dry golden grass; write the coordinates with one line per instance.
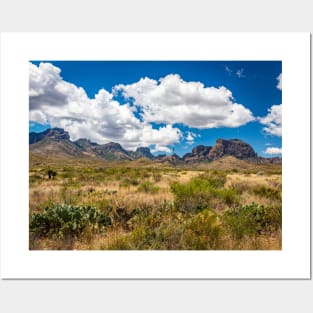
(109, 191)
(103, 184)
(253, 179)
(249, 182)
(105, 241)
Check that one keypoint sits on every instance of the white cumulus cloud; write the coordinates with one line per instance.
(172, 100)
(101, 119)
(273, 121)
(167, 101)
(273, 150)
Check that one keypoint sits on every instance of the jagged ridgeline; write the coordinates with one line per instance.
(56, 142)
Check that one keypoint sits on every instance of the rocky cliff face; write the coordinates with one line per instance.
(223, 147)
(52, 133)
(143, 152)
(54, 141)
(198, 153)
(233, 147)
(85, 143)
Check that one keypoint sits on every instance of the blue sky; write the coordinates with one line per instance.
(166, 105)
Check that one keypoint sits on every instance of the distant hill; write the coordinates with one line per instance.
(53, 141)
(56, 142)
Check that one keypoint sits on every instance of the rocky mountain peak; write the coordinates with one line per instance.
(51, 133)
(198, 153)
(58, 134)
(233, 147)
(113, 146)
(201, 149)
(144, 152)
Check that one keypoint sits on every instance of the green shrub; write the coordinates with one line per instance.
(65, 220)
(267, 192)
(129, 181)
(202, 192)
(68, 172)
(169, 235)
(252, 220)
(202, 231)
(215, 179)
(171, 231)
(229, 196)
(147, 186)
(194, 195)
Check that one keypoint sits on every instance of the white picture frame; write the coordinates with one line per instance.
(292, 262)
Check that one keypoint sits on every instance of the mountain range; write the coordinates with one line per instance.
(56, 142)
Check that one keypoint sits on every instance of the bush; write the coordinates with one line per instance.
(194, 195)
(68, 172)
(129, 181)
(202, 231)
(203, 192)
(215, 179)
(147, 186)
(229, 196)
(171, 231)
(267, 192)
(65, 220)
(252, 220)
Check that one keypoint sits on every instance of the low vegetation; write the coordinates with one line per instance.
(60, 221)
(147, 206)
(251, 221)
